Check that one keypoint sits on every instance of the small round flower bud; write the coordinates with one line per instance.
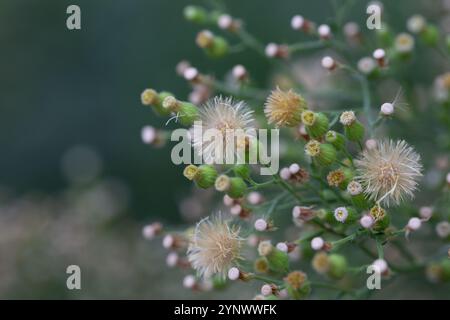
(222, 183)
(149, 97)
(268, 289)
(282, 246)
(225, 21)
(338, 266)
(430, 35)
(261, 225)
(195, 14)
(323, 153)
(294, 168)
(324, 31)
(426, 212)
(237, 187)
(255, 198)
(387, 109)
(205, 39)
(303, 213)
(380, 217)
(285, 174)
(265, 248)
(148, 134)
(380, 56)
(151, 230)
(191, 74)
(169, 241)
(336, 139)
(239, 72)
(321, 262)
(236, 210)
(366, 221)
(366, 65)
(341, 214)
(189, 282)
(316, 123)
(228, 201)
(328, 63)
(172, 259)
(317, 243)
(182, 66)
(233, 274)
(353, 129)
(380, 266)
(443, 229)
(261, 265)
(404, 43)
(297, 285)
(274, 50)
(297, 22)
(448, 178)
(414, 224)
(352, 31)
(416, 24)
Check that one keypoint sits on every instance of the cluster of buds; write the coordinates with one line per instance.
(294, 173)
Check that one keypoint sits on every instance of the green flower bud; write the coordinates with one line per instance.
(219, 282)
(150, 97)
(316, 123)
(336, 139)
(237, 187)
(219, 48)
(261, 265)
(186, 111)
(297, 285)
(323, 154)
(242, 170)
(234, 187)
(278, 260)
(338, 266)
(353, 129)
(430, 35)
(346, 215)
(447, 41)
(206, 176)
(355, 190)
(214, 16)
(445, 265)
(195, 14)
(385, 36)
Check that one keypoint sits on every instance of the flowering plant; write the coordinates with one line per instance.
(340, 210)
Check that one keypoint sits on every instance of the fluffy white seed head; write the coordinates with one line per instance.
(389, 172)
(317, 243)
(285, 174)
(328, 63)
(214, 247)
(233, 274)
(261, 225)
(282, 246)
(380, 266)
(414, 224)
(387, 109)
(367, 221)
(426, 212)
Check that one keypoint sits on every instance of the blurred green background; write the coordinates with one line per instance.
(62, 89)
